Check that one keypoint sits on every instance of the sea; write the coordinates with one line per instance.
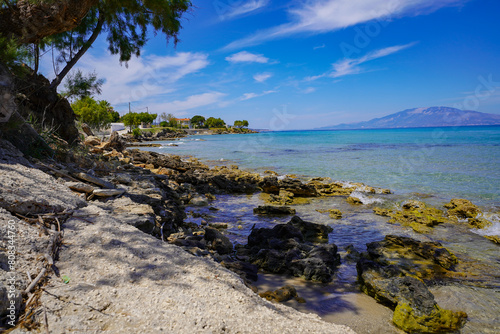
(432, 165)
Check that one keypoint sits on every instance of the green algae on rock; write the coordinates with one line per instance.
(280, 295)
(462, 209)
(393, 273)
(425, 260)
(438, 321)
(415, 214)
(354, 200)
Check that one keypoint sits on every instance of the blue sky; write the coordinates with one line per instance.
(306, 64)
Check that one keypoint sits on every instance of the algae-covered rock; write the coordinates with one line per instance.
(437, 321)
(417, 215)
(462, 208)
(382, 212)
(335, 214)
(394, 284)
(283, 294)
(354, 200)
(426, 260)
(273, 185)
(494, 238)
(478, 223)
(331, 189)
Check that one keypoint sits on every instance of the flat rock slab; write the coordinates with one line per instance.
(80, 187)
(94, 180)
(27, 190)
(108, 192)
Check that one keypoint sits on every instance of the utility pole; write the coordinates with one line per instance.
(129, 107)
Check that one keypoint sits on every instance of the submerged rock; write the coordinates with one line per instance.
(274, 210)
(280, 295)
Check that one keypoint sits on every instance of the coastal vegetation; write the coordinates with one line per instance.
(96, 114)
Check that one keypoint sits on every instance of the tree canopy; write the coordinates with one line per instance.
(80, 85)
(213, 122)
(71, 26)
(96, 114)
(134, 119)
(198, 121)
(241, 124)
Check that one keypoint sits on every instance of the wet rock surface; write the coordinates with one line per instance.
(415, 214)
(393, 272)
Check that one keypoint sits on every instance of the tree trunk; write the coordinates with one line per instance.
(58, 79)
(29, 22)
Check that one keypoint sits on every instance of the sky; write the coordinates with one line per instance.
(304, 64)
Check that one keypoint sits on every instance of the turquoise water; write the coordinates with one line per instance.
(444, 162)
(432, 164)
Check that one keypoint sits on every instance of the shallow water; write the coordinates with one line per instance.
(341, 301)
(443, 162)
(432, 165)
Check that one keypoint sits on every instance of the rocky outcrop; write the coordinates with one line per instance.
(273, 185)
(283, 250)
(312, 232)
(217, 241)
(426, 260)
(417, 215)
(392, 271)
(462, 209)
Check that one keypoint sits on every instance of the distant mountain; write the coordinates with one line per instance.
(422, 118)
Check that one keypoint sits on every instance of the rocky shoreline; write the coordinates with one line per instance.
(149, 192)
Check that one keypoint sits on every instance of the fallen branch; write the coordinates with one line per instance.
(35, 281)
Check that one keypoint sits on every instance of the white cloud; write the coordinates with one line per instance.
(144, 77)
(247, 57)
(309, 90)
(228, 11)
(192, 102)
(322, 46)
(351, 66)
(320, 16)
(248, 96)
(261, 77)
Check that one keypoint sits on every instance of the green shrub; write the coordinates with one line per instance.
(136, 132)
(163, 124)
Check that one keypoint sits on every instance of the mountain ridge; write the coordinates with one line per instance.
(423, 117)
